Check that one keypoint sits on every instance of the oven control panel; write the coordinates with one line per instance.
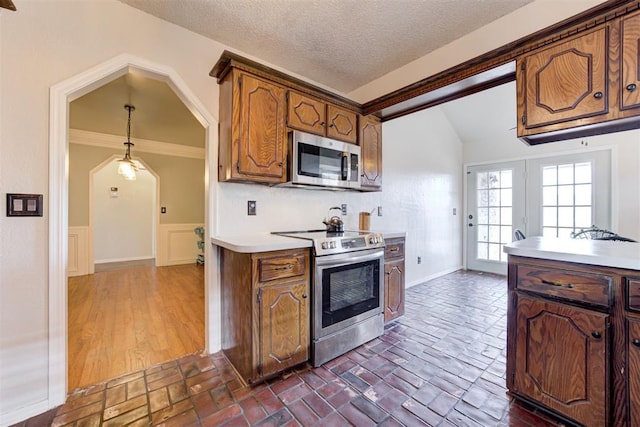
(340, 244)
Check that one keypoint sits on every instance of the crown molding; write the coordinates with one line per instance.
(105, 140)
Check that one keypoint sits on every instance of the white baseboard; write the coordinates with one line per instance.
(177, 244)
(106, 261)
(78, 260)
(433, 276)
(24, 413)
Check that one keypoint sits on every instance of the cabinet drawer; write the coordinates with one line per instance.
(633, 294)
(394, 248)
(281, 266)
(565, 284)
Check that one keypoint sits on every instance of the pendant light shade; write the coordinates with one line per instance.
(127, 167)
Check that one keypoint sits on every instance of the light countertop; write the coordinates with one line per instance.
(265, 242)
(605, 253)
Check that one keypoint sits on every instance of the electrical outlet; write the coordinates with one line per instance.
(344, 209)
(455, 212)
(419, 260)
(251, 207)
(379, 210)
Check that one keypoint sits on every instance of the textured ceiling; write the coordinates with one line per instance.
(343, 44)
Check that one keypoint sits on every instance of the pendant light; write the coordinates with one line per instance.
(127, 167)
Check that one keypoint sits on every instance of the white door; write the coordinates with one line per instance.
(495, 208)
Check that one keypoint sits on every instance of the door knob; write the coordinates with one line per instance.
(470, 224)
(597, 95)
(631, 87)
(597, 335)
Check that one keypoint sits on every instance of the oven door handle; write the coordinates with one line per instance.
(350, 259)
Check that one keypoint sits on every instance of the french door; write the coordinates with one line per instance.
(495, 208)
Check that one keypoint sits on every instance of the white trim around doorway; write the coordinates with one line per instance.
(60, 96)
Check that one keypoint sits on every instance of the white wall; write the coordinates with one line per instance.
(123, 220)
(42, 44)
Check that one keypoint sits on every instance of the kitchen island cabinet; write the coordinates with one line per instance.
(572, 333)
(265, 310)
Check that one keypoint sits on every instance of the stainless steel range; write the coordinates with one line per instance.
(347, 296)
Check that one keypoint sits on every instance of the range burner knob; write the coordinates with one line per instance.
(373, 240)
(325, 245)
(332, 245)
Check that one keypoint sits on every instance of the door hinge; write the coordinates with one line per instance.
(238, 166)
(524, 119)
(522, 65)
(259, 296)
(240, 81)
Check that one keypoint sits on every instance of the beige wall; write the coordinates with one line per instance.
(181, 183)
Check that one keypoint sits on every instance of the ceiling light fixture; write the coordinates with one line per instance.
(127, 167)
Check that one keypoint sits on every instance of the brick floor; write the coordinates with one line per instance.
(442, 364)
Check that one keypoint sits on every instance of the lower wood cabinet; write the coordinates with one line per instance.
(265, 311)
(561, 358)
(393, 279)
(633, 370)
(573, 340)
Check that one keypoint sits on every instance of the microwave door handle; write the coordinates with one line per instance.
(345, 167)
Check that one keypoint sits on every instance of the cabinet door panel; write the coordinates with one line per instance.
(633, 371)
(371, 153)
(630, 30)
(262, 130)
(306, 113)
(284, 326)
(561, 354)
(567, 81)
(393, 289)
(342, 124)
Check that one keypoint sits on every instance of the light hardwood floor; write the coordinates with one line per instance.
(122, 321)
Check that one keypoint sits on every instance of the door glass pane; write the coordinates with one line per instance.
(494, 213)
(565, 174)
(550, 196)
(583, 194)
(550, 175)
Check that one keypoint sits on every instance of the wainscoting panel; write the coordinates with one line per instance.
(177, 244)
(78, 260)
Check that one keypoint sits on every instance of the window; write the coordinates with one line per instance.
(566, 198)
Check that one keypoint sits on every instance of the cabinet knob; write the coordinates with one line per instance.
(597, 335)
(631, 87)
(597, 95)
(636, 342)
(332, 125)
(322, 124)
(304, 295)
(280, 164)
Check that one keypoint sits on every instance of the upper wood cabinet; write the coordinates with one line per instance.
(630, 62)
(342, 124)
(306, 113)
(315, 116)
(371, 153)
(252, 129)
(567, 81)
(581, 86)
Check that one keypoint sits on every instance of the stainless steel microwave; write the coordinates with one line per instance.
(322, 162)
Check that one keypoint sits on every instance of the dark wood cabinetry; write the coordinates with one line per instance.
(265, 311)
(258, 107)
(393, 278)
(561, 358)
(252, 131)
(371, 153)
(581, 86)
(573, 340)
(324, 119)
